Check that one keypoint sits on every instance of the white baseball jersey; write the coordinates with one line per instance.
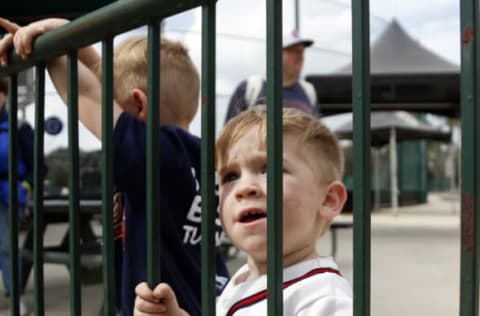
(310, 288)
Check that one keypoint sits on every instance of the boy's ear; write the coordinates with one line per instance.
(139, 98)
(334, 199)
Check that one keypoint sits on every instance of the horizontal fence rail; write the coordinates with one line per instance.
(116, 18)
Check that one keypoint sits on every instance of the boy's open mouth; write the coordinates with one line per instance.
(252, 215)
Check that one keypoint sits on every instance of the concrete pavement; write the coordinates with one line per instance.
(415, 259)
(415, 263)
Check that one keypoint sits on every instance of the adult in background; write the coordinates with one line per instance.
(25, 176)
(297, 93)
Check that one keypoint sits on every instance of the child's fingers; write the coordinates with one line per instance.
(146, 303)
(163, 291)
(144, 292)
(5, 43)
(166, 295)
(9, 26)
(22, 42)
(143, 307)
(160, 301)
(23, 38)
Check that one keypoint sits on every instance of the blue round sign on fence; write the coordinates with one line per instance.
(53, 125)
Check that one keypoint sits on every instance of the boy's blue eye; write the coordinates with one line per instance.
(229, 176)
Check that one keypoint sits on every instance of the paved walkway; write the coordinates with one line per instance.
(415, 259)
(415, 263)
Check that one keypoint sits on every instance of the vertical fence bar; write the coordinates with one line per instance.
(153, 170)
(207, 157)
(74, 209)
(107, 179)
(38, 220)
(297, 15)
(470, 68)
(361, 152)
(274, 158)
(13, 193)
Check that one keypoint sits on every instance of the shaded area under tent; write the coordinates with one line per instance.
(391, 128)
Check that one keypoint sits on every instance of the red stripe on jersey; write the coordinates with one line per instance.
(257, 297)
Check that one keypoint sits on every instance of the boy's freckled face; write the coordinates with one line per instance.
(243, 197)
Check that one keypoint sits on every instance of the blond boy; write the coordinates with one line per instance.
(313, 195)
(179, 154)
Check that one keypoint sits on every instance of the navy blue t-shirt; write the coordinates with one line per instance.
(179, 207)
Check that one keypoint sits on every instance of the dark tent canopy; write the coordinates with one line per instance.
(404, 76)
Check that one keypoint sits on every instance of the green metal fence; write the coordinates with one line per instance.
(122, 16)
(469, 24)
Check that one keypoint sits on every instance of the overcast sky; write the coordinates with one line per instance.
(241, 39)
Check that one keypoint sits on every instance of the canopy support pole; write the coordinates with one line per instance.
(393, 171)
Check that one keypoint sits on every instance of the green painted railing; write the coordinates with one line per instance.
(274, 157)
(122, 16)
(469, 23)
(12, 184)
(361, 152)
(209, 207)
(107, 176)
(154, 224)
(38, 219)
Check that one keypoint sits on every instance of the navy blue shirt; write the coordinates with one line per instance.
(179, 207)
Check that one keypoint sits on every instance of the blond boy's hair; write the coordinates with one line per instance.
(318, 144)
(179, 78)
